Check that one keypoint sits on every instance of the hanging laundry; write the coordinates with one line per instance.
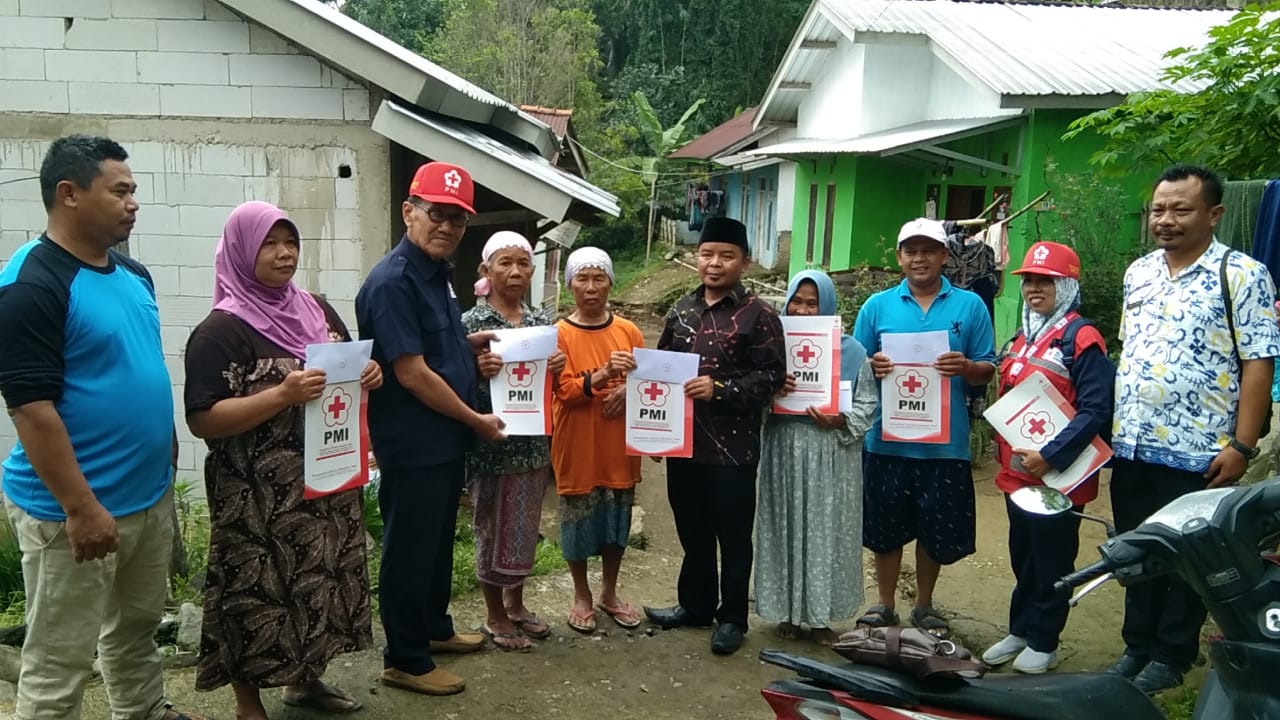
(996, 237)
(1266, 231)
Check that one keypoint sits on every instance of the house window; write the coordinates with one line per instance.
(828, 231)
(813, 222)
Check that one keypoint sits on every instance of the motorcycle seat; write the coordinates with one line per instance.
(1066, 696)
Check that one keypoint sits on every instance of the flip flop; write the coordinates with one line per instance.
(931, 621)
(533, 627)
(584, 623)
(498, 639)
(625, 615)
(326, 698)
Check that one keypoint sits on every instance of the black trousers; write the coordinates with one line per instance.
(419, 515)
(1041, 550)
(1162, 617)
(713, 504)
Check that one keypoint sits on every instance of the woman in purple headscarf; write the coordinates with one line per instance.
(288, 585)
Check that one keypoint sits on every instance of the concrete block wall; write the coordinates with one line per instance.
(213, 111)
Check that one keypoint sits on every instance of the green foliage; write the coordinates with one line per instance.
(412, 23)
(540, 52)
(1178, 704)
(661, 141)
(1233, 124)
(193, 525)
(1089, 210)
(12, 601)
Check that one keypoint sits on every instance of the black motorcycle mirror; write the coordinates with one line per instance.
(1043, 500)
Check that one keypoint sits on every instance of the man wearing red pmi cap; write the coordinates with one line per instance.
(421, 423)
(1056, 342)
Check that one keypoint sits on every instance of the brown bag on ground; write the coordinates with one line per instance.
(910, 650)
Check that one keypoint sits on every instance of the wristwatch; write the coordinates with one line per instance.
(1248, 452)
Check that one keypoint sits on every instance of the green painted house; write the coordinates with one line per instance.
(895, 109)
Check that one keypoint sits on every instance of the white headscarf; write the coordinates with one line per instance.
(587, 257)
(1066, 299)
(500, 240)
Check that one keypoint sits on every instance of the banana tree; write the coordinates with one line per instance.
(662, 142)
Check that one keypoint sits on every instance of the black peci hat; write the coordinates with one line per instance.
(725, 230)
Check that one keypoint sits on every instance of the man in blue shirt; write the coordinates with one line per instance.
(421, 423)
(916, 490)
(88, 486)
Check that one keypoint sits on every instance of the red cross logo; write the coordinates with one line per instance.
(806, 354)
(654, 394)
(335, 407)
(912, 384)
(1037, 426)
(521, 373)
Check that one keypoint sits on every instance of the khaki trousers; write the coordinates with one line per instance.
(112, 605)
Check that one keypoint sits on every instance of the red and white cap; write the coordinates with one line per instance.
(1052, 259)
(444, 184)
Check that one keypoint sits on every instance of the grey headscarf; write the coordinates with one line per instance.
(1067, 299)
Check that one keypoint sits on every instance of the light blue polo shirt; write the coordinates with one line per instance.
(964, 317)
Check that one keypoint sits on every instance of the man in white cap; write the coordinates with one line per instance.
(914, 490)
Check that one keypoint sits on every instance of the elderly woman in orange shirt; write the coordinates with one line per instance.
(594, 476)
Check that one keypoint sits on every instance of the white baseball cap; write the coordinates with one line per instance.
(923, 228)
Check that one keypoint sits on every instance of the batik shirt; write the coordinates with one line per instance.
(1178, 381)
(515, 454)
(740, 342)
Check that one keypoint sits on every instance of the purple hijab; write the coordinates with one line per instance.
(287, 316)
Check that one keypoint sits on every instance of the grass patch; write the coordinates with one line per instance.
(193, 526)
(1179, 705)
(12, 602)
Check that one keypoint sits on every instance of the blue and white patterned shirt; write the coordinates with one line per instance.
(1178, 381)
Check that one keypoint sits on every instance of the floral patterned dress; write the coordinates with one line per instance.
(288, 583)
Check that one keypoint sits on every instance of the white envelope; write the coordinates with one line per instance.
(665, 366)
(911, 348)
(341, 361)
(520, 344)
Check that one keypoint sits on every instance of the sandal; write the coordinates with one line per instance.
(878, 616)
(507, 642)
(533, 627)
(583, 622)
(625, 615)
(931, 621)
(322, 697)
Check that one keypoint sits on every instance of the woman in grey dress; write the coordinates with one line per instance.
(809, 514)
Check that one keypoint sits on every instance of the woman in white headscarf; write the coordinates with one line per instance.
(594, 475)
(507, 479)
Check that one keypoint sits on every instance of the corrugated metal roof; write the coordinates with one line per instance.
(555, 118)
(1015, 49)
(933, 131)
(1041, 49)
(718, 138)
(521, 176)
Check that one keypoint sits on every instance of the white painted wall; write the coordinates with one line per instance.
(830, 107)
(891, 78)
(213, 111)
(952, 96)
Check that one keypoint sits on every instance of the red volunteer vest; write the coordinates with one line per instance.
(1045, 357)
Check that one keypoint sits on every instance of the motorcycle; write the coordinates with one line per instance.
(1214, 539)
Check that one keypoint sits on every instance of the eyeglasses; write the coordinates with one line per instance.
(457, 219)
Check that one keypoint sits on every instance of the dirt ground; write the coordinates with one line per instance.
(672, 674)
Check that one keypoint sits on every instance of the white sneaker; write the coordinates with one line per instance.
(1034, 662)
(1004, 651)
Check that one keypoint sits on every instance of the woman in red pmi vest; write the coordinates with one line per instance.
(1067, 350)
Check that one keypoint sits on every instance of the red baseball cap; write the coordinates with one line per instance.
(444, 184)
(1052, 259)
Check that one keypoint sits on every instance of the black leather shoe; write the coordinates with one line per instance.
(672, 617)
(1128, 666)
(1157, 676)
(727, 638)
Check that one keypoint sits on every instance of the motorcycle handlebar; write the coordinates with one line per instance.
(1081, 576)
